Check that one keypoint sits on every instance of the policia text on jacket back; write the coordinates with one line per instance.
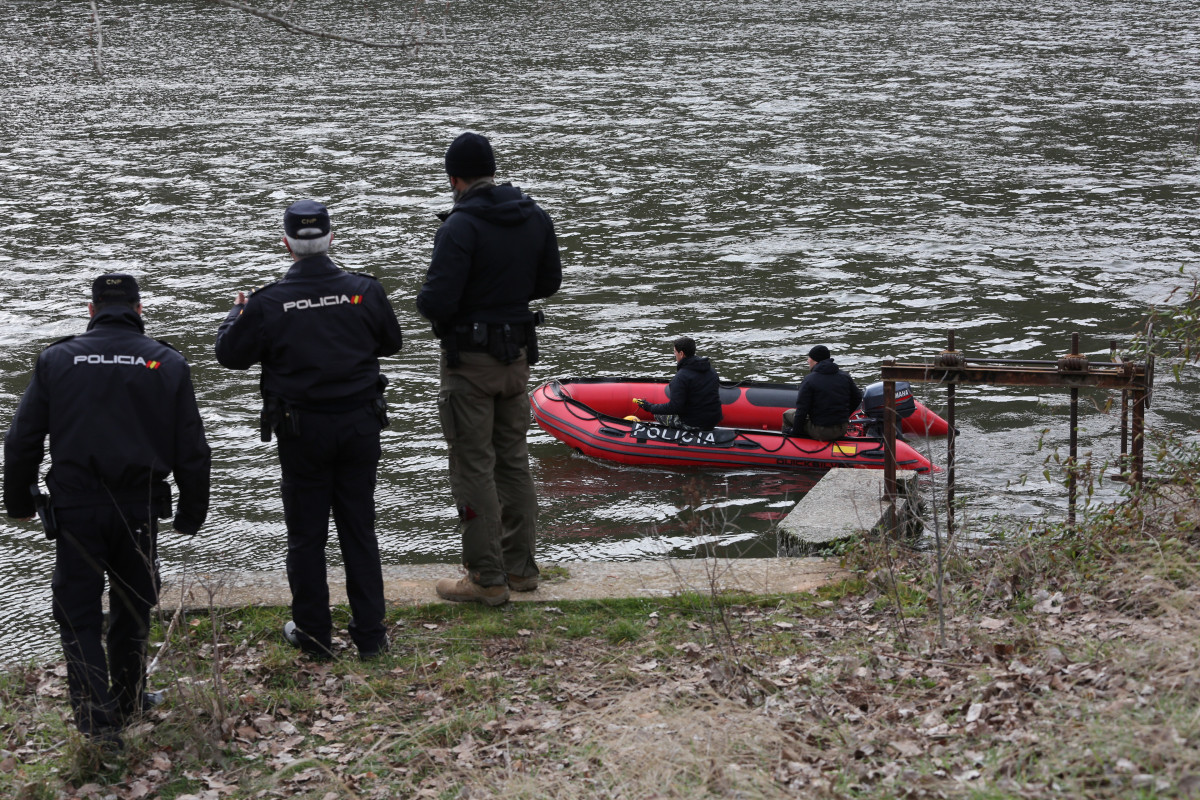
(121, 415)
(319, 333)
(494, 252)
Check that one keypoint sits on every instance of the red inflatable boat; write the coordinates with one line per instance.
(590, 415)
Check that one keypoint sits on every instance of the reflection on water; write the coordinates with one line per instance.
(761, 175)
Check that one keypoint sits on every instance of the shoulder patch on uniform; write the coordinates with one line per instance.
(260, 288)
(60, 341)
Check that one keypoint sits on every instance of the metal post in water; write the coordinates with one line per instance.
(889, 445)
(1071, 488)
(1123, 460)
(950, 447)
(1139, 430)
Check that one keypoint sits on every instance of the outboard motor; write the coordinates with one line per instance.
(872, 406)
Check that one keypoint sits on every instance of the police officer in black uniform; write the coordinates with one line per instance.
(319, 333)
(121, 415)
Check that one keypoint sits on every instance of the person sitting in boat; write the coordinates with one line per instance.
(694, 400)
(827, 398)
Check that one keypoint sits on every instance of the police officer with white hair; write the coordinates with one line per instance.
(121, 415)
(319, 333)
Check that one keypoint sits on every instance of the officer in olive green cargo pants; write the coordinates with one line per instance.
(494, 252)
(484, 410)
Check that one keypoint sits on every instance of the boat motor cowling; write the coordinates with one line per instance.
(872, 402)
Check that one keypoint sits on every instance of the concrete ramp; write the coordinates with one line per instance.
(413, 584)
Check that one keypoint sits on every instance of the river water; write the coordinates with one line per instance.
(761, 175)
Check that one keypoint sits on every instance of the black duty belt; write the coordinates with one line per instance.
(480, 337)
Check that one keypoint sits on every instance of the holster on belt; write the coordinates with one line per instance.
(270, 417)
(379, 404)
(279, 417)
(45, 511)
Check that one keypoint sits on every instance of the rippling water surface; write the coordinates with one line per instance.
(762, 175)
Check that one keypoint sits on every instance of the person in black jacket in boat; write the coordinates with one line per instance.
(827, 398)
(694, 400)
(121, 415)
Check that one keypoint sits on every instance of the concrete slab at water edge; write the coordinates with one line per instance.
(844, 503)
(413, 584)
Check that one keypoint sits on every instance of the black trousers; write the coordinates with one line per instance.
(330, 465)
(119, 544)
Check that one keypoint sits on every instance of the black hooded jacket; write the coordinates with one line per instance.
(694, 394)
(827, 396)
(494, 252)
(121, 414)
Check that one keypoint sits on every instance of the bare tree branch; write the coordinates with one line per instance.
(98, 36)
(291, 26)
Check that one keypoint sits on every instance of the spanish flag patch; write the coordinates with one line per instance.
(356, 300)
(153, 364)
(845, 449)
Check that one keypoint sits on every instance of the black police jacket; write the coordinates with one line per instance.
(694, 394)
(494, 252)
(121, 414)
(827, 396)
(318, 332)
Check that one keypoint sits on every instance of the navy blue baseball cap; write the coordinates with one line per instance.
(115, 287)
(306, 219)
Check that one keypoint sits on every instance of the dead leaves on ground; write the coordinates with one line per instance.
(1018, 701)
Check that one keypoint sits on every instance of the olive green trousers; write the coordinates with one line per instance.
(484, 410)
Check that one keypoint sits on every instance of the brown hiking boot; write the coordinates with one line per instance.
(465, 590)
(519, 584)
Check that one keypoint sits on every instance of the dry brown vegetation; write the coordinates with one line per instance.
(1068, 668)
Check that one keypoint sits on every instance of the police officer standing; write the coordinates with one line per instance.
(319, 333)
(121, 415)
(494, 252)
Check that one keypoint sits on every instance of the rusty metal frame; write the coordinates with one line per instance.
(951, 368)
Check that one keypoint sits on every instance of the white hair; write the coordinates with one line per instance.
(309, 247)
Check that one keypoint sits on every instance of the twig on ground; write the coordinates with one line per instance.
(153, 666)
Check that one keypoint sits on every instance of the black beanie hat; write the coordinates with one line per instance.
(470, 156)
(819, 353)
(115, 287)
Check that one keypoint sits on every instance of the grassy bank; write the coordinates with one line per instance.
(1066, 666)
